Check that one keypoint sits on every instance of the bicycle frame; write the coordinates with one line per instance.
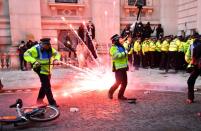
(21, 115)
(41, 113)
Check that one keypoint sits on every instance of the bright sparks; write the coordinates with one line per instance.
(63, 18)
(94, 80)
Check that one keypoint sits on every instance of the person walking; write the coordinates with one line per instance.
(43, 56)
(193, 58)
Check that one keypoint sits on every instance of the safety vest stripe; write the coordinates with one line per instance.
(121, 66)
(116, 55)
(27, 54)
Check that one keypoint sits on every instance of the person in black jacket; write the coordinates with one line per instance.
(159, 32)
(148, 30)
(126, 31)
(21, 49)
(90, 39)
(193, 57)
(81, 33)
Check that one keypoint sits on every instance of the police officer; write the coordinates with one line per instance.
(145, 53)
(137, 53)
(193, 57)
(173, 54)
(164, 52)
(43, 56)
(120, 66)
(128, 45)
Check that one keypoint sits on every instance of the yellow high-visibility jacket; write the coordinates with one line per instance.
(165, 45)
(152, 46)
(174, 45)
(137, 46)
(126, 46)
(145, 46)
(158, 46)
(45, 58)
(119, 57)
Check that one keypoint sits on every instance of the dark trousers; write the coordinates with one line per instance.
(181, 60)
(152, 59)
(145, 60)
(121, 79)
(191, 82)
(23, 63)
(164, 58)
(91, 47)
(172, 61)
(45, 89)
(158, 58)
(70, 53)
(136, 57)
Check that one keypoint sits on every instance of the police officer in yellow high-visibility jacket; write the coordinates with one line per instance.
(152, 52)
(173, 54)
(43, 56)
(129, 48)
(186, 45)
(145, 53)
(158, 52)
(164, 52)
(137, 53)
(181, 55)
(120, 66)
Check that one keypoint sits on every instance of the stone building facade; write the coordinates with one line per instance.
(34, 19)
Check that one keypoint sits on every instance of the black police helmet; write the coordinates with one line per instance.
(45, 41)
(115, 38)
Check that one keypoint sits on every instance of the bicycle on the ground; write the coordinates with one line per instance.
(39, 113)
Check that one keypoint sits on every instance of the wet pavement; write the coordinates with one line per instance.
(160, 101)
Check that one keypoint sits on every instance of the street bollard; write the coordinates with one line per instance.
(1, 85)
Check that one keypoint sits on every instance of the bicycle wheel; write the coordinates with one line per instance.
(47, 113)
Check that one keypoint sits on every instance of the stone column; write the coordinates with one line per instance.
(168, 16)
(199, 16)
(25, 21)
(106, 18)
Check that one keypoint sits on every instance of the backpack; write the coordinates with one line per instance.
(197, 49)
(196, 52)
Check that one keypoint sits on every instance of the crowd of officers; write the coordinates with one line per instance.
(164, 53)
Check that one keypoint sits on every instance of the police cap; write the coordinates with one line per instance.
(115, 38)
(45, 41)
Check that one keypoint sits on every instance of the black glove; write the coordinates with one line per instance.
(190, 68)
(37, 67)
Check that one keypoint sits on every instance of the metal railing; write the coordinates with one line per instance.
(64, 1)
(5, 61)
(132, 2)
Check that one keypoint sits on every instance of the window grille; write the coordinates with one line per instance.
(66, 1)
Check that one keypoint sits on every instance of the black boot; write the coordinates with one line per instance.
(110, 94)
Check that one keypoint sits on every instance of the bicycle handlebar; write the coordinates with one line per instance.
(18, 101)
